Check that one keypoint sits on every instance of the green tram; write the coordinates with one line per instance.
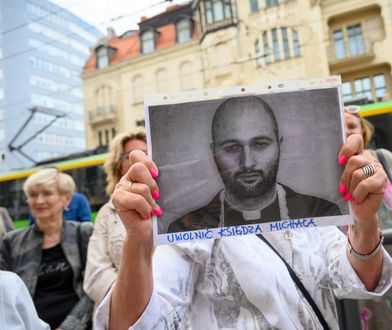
(87, 172)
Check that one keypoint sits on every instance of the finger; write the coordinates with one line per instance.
(372, 185)
(134, 204)
(138, 156)
(352, 146)
(352, 173)
(143, 190)
(140, 173)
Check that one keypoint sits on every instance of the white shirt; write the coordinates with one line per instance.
(240, 283)
(17, 311)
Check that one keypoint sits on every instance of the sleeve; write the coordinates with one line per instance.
(175, 277)
(347, 284)
(100, 272)
(16, 306)
(84, 209)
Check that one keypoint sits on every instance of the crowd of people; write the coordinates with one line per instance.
(61, 270)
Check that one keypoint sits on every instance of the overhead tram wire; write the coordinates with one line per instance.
(51, 42)
(39, 18)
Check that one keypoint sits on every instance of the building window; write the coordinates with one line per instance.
(138, 88)
(355, 40)
(286, 47)
(271, 3)
(113, 132)
(352, 46)
(107, 136)
(372, 88)
(100, 142)
(379, 86)
(254, 5)
(267, 49)
(296, 44)
(186, 81)
(259, 60)
(217, 10)
(346, 91)
(148, 42)
(102, 58)
(140, 123)
(184, 31)
(275, 42)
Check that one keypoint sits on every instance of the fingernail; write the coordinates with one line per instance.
(356, 201)
(342, 189)
(342, 160)
(154, 173)
(348, 197)
(157, 211)
(155, 194)
(148, 216)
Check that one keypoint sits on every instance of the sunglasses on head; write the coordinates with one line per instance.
(352, 108)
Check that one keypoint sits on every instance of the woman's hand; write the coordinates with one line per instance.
(133, 197)
(365, 188)
(366, 194)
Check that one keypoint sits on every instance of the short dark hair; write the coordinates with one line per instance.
(251, 101)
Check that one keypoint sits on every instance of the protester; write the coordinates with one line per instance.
(50, 255)
(105, 244)
(6, 224)
(78, 209)
(374, 314)
(17, 311)
(240, 282)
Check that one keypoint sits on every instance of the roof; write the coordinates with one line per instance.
(128, 45)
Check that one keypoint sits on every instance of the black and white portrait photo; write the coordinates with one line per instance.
(246, 162)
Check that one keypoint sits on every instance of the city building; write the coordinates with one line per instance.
(261, 40)
(43, 48)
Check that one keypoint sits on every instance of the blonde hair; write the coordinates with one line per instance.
(113, 164)
(367, 131)
(48, 176)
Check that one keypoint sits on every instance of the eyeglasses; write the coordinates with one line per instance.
(352, 109)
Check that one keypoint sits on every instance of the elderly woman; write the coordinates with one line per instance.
(105, 245)
(49, 255)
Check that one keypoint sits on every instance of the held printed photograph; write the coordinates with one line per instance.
(246, 162)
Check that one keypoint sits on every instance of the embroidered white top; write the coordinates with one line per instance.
(17, 309)
(240, 283)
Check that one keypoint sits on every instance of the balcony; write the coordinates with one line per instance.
(348, 53)
(102, 114)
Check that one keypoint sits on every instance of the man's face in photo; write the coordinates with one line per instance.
(246, 149)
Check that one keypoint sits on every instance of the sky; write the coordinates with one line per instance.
(122, 15)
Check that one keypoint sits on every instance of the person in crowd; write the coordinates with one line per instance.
(374, 314)
(17, 311)
(6, 224)
(243, 282)
(50, 255)
(246, 149)
(78, 209)
(104, 251)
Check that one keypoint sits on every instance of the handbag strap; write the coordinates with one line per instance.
(299, 284)
(383, 162)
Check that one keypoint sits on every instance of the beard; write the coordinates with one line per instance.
(251, 183)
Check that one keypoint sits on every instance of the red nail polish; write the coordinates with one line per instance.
(157, 211)
(148, 216)
(342, 160)
(154, 173)
(342, 189)
(155, 194)
(347, 197)
(356, 201)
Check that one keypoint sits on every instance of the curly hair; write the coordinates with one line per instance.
(112, 166)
